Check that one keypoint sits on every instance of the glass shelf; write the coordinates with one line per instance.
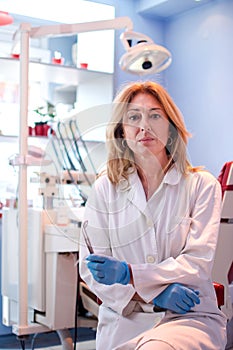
(51, 73)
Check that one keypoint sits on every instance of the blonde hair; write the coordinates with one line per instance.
(120, 157)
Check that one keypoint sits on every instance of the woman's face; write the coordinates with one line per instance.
(146, 126)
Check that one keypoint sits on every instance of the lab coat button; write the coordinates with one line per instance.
(149, 223)
(150, 259)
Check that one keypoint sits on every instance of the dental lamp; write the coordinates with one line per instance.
(145, 57)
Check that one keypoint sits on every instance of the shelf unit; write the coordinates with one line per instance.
(53, 73)
(85, 88)
(90, 88)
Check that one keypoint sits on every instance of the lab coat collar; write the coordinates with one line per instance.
(172, 177)
(133, 188)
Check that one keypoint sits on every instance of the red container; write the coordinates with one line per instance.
(84, 65)
(58, 60)
(30, 131)
(15, 55)
(39, 129)
(46, 128)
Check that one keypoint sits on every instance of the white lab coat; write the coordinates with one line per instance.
(169, 238)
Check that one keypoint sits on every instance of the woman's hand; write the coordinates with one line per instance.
(176, 298)
(108, 270)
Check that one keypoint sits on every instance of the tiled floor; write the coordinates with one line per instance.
(84, 345)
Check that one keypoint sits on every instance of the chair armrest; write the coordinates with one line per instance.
(219, 290)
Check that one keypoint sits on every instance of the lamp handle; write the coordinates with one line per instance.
(129, 35)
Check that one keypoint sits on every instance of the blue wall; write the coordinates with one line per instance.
(200, 78)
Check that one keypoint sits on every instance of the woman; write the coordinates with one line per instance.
(152, 220)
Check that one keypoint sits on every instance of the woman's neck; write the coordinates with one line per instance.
(151, 174)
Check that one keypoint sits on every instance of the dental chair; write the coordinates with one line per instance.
(223, 263)
(90, 301)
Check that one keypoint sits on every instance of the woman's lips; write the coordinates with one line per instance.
(146, 139)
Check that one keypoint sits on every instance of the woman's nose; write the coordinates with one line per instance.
(145, 126)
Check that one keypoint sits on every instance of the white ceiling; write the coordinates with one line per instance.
(167, 8)
(153, 8)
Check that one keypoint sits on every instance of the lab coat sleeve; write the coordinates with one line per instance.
(194, 263)
(117, 296)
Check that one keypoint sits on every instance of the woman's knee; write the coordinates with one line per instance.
(154, 345)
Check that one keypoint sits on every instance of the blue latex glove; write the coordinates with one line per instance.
(108, 270)
(177, 298)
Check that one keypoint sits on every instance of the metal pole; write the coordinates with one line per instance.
(22, 200)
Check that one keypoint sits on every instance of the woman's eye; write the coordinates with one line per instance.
(155, 116)
(134, 117)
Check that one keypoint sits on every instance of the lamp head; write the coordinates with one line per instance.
(145, 57)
